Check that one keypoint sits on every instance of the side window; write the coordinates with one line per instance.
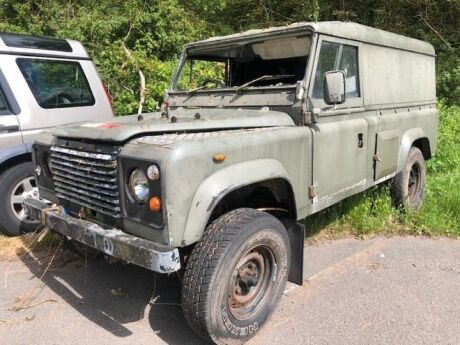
(336, 56)
(349, 64)
(3, 106)
(56, 84)
(328, 59)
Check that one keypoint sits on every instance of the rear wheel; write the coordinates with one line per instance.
(16, 184)
(408, 186)
(235, 276)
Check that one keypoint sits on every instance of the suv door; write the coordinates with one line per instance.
(340, 134)
(10, 134)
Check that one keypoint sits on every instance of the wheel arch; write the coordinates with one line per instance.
(14, 155)
(423, 144)
(415, 137)
(245, 182)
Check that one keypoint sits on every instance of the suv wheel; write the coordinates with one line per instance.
(16, 184)
(235, 276)
(408, 186)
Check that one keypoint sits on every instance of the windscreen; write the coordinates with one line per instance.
(272, 62)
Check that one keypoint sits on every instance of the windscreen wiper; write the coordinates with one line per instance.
(264, 77)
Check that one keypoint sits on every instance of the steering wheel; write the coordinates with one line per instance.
(58, 98)
(214, 81)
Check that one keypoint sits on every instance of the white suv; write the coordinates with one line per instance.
(44, 82)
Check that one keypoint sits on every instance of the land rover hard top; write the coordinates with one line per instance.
(44, 82)
(257, 131)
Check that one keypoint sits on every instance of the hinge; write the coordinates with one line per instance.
(313, 191)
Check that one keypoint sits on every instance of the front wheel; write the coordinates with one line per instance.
(17, 184)
(235, 276)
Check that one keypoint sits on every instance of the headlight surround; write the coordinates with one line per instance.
(139, 186)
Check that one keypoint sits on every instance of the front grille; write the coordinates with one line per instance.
(86, 178)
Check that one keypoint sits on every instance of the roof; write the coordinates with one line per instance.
(347, 30)
(19, 44)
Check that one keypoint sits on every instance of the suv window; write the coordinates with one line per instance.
(3, 105)
(336, 56)
(56, 84)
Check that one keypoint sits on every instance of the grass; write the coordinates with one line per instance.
(12, 247)
(371, 212)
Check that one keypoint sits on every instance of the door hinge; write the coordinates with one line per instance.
(377, 158)
(313, 191)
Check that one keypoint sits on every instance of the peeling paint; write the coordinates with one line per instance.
(216, 198)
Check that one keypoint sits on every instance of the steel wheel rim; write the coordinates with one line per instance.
(251, 282)
(414, 182)
(24, 189)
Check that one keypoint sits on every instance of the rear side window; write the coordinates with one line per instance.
(3, 106)
(56, 84)
(336, 56)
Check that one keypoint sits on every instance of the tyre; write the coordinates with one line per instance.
(235, 276)
(408, 186)
(16, 184)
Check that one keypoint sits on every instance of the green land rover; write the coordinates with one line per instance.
(258, 130)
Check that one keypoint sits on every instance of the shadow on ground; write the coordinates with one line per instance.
(114, 295)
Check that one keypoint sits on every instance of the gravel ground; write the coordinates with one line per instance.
(377, 291)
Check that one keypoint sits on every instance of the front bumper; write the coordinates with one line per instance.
(113, 242)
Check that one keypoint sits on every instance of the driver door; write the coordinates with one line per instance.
(340, 134)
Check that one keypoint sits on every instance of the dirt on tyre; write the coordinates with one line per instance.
(16, 184)
(408, 186)
(235, 276)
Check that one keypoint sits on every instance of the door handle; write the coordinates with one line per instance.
(360, 140)
(9, 129)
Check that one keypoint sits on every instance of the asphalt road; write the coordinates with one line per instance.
(378, 291)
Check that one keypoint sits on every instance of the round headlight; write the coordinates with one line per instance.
(139, 186)
(153, 172)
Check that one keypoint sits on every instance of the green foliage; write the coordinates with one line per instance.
(155, 31)
(365, 213)
(448, 75)
(440, 213)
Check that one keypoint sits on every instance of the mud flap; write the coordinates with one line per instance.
(296, 233)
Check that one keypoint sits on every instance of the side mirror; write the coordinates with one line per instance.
(334, 87)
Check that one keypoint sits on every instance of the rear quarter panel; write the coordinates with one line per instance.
(417, 123)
